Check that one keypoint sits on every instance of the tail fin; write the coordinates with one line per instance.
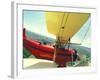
(24, 33)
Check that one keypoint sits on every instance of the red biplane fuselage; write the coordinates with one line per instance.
(42, 51)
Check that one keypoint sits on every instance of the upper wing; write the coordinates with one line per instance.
(65, 24)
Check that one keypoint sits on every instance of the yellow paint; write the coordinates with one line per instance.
(65, 25)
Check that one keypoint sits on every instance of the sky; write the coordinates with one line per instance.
(34, 21)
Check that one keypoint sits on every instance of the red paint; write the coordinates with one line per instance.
(47, 52)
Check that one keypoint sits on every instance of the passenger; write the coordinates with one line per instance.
(44, 43)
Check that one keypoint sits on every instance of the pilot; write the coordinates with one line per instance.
(75, 55)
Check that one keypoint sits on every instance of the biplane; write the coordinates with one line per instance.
(64, 25)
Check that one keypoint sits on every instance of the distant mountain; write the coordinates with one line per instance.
(81, 49)
(40, 38)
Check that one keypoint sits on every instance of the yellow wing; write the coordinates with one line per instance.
(65, 25)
